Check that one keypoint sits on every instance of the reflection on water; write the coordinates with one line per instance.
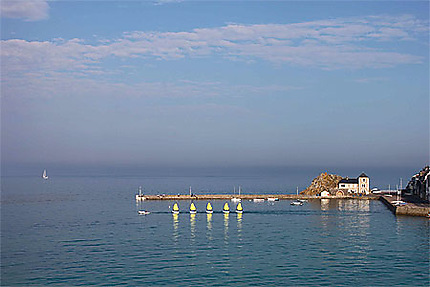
(239, 226)
(193, 225)
(325, 204)
(364, 205)
(209, 225)
(175, 227)
(353, 205)
(226, 227)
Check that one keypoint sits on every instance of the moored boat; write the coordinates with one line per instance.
(140, 195)
(143, 212)
(236, 199)
(296, 202)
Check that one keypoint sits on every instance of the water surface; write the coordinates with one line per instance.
(86, 230)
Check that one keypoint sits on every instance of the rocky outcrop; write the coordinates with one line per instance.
(323, 182)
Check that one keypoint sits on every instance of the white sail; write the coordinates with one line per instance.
(44, 176)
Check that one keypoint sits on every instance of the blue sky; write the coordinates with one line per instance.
(215, 83)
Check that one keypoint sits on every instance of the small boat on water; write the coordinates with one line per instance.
(143, 212)
(175, 208)
(193, 208)
(272, 199)
(296, 202)
(239, 208)
(236, 199)
(44, 176)
(226, 208)
(258, 200)
(209, 208)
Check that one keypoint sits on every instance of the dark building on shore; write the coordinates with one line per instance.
(419, 184)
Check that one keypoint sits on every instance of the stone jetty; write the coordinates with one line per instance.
(406, 206)
(245, 197)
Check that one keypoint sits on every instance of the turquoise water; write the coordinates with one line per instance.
(86, 231)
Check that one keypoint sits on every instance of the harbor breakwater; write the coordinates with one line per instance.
(411, 209)
(245, 197)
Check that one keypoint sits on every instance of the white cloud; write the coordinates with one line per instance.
(29, 10)
(353, 43)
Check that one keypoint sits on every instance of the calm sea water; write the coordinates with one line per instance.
(86, 231)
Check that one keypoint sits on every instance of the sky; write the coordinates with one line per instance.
(215, 83)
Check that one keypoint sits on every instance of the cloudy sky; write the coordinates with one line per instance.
(215, 83)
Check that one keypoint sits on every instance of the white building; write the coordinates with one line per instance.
(360, 185)
(325, 193)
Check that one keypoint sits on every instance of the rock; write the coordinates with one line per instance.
(323, 182)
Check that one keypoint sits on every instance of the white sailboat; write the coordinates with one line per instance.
(301, 200)
(140, 195)
(297, 201)
(44, 176)
(236, 199)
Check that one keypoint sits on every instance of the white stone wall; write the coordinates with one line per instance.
(364, 185)
(349, 187)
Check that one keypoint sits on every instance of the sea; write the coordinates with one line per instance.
(83, 229)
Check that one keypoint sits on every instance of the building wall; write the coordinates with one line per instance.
(364, 185)
(349, 187)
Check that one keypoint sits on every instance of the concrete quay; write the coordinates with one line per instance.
(408, 205)
(244, 197)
